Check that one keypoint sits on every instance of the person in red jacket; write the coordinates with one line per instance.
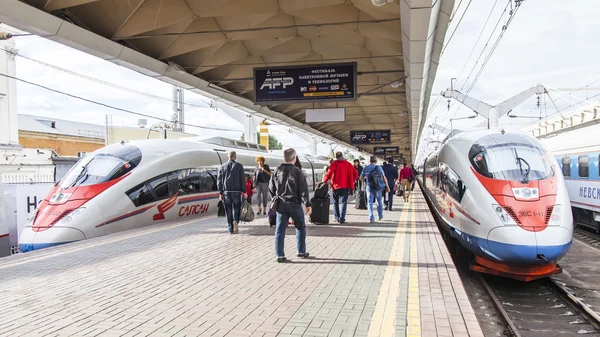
(249, 189)
(342, 175)
(405, 178)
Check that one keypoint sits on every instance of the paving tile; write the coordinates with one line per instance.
(195, 279)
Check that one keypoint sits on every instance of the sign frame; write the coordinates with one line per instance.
(354, 88)
(353, 132)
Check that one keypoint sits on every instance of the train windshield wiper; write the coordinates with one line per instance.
(83, 173)
(525, 178)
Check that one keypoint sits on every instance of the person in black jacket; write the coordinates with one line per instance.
(231, 183)
(289, 185)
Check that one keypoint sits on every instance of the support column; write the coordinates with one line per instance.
(264, 134)
(9, 130)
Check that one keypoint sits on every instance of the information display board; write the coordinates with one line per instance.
(370, 137)
(300, 84)
(386, 150)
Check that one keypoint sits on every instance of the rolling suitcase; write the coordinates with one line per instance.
(320, 211)
(361, 197)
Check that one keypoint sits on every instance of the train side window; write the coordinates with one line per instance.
(189, 182)
(598, 165)
(566, 166)
(207, 180)
(161, 187)
(584, 166)
(140, 195)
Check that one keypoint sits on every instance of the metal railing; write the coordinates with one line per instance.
(20, 179)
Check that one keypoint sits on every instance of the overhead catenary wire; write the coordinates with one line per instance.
(457, 25)
(453, 103)
(111, 106)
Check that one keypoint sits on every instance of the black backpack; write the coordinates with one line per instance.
(375, 180)
(322, 191)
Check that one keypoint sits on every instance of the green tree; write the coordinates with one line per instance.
(274, 143)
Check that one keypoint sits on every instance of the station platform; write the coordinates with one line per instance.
(390, 278)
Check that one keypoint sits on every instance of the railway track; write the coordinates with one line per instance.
(540, 308)
(588, 237)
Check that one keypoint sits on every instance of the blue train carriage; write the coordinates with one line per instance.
(581, 172)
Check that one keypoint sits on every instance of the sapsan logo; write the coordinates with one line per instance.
(164, 207)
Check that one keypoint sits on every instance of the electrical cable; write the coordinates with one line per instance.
(93, 79)
(111, 106)
(489, 56)
(456, 27)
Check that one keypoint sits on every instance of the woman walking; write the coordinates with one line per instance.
(262, 175)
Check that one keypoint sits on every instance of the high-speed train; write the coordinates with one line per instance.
(503, 198)
(134, 184)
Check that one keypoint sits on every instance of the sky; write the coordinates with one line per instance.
(551, 42)
(38, 101)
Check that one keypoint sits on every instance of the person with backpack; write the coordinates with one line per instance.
(414, 171)
(231, 184)
(406, 176)
(289, 189)
(376, 182)
(342, 176)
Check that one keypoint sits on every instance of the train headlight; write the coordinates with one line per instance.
(67, 219)
(60, 197)
(503, 215)
(526, 193)
(555, 217)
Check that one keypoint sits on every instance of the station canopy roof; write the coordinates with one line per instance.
(221, 41)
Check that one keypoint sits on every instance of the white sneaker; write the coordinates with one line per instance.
(235, 227)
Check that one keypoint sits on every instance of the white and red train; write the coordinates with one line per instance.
(502, 197)
(134, 184)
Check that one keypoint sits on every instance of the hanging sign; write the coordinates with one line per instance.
(300, 84)
(387, 151)
(370, 137)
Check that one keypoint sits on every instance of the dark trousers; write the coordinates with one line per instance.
(233, 205)
(389, 198)
(340, 196)
(285, 211)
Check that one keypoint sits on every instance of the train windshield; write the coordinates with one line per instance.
(521, 162)
(102, 167)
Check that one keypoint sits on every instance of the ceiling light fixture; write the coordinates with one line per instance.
(397, 84)
(379, 3)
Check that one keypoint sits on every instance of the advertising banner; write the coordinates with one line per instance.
(370, 137)
(301, 84)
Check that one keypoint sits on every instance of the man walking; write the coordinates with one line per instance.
(359, 169)
(288, 184)
(406, 176)
(414, 172)
(342, 175)
(376, 182)
(231, 183)
(391, 174)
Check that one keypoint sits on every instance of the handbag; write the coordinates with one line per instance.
(220, 209)
(246, 212)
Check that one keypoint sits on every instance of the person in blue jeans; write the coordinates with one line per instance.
(231, 183)
(288, 184)
(376, 182)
